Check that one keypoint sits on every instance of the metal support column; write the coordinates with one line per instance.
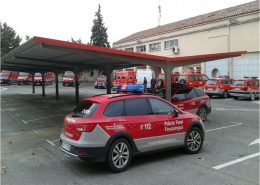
(43, 84)
(57, 85)
(76, 71)
(168, 89)
(108, 72)
(33, 84)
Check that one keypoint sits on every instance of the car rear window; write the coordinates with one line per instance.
(85, 109)
(135, 107)
(23, 74)
(115, 109)
(212, 82)
(5, 73)
(38, 74)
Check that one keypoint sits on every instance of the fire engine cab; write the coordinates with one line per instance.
(124, 78)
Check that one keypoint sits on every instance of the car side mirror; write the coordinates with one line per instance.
(175, 99)
(175, 113)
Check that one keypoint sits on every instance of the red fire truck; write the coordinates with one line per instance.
(123, 78)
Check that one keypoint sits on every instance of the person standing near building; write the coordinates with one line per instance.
(145, 84)
(153, 82)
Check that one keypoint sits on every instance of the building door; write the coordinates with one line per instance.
(215, 73)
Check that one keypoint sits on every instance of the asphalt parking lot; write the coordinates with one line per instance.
(30, 154)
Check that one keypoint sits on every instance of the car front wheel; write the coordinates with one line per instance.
(193, 141)
(119, 156)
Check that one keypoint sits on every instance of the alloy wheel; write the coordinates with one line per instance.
(120, 155)
(194, 141)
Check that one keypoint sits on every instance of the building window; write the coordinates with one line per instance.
(155, 47)
(170, 43)
(129, 49)
(141, 49)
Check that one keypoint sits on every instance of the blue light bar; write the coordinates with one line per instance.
(131, 88)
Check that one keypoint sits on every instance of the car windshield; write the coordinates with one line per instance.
(85, 109)
(69, 74)
(38, 75)
(23, 74)
(239, 82)
(5, 73)
(212, 82)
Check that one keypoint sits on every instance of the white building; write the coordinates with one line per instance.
(231, 29)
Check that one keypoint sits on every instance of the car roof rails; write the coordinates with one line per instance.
(246, 76)
(254, 77)
(224, 76)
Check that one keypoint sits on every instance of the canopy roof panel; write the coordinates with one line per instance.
(43, 54)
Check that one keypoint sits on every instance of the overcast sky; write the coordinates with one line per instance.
(63, 19)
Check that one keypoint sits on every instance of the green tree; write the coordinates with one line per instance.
(99, 31)
(9, 39)
(76, 41)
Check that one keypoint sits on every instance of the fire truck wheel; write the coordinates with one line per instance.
(119, 155)
(225, 95)
(252, 97)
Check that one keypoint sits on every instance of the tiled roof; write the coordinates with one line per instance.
(243, 9)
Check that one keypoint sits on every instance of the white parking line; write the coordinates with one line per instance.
(56, 140)
(3, 88)
(236, 161)
(26, 122)
(35, 131)
(51, 143)
(246, 110)
(224, 127)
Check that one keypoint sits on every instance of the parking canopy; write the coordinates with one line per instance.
(43, 54)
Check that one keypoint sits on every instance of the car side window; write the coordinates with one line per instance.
(250, 83)
(135, 107)
(191, 94)
(199, 92)
(114, 109)
(256, 83)
(160, 107)
(229, 82)
(192, 78)
(180, 95)
(223, 82)
(204, 77)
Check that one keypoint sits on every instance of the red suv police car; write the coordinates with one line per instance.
(246, 88)
(115, 127)
(191, 99)
(218, 87)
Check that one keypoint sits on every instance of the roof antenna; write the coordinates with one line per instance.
(159, 15)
